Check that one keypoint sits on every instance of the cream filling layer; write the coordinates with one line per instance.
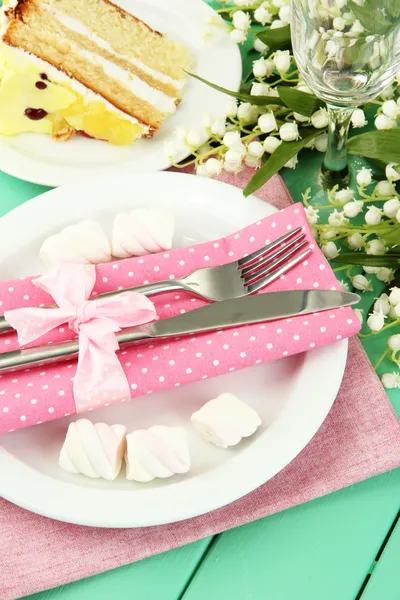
(78, 27)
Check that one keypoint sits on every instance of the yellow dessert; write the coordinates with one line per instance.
(31, 102)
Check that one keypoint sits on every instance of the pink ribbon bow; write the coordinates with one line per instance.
(99, 377)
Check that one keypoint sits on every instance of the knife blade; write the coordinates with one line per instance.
(219, 315)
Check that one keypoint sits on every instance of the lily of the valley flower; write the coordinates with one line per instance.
(289, 132)
(364, 176)
(360, 282)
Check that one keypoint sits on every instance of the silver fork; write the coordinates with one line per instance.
(232, 280)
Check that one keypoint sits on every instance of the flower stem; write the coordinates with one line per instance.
(380, 359)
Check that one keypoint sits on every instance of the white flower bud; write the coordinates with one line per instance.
(373, 216)
(383, 122)
(359, 314)
(260, 68)
(232, 139)
(262, 15)
(284, 13)
(376, 321)
(252, 161)
(383, 188)
(344, 286)
(312, 215)
(394, 342)
(213, 166)
(319, 119)
(352, 209)
(364, 176)
(241, 20)
(232, 167)
(394, 312)
(255, 149)
(330, 250)
(328, 234)
(321, 142)
(382, 304)
(291, 164)
(390, 109)
(259, 89)
(267, 122)
(201, 170)
(371, 270)
(289, 132)
(391, 207)
(337, 218)
(237, 36)
(392, 172)
(390, 381)
(194, 138)
(277, 24)
(385, 274)
(271, 143)
(344, 196)
(234, 156)
(375, 247)
(231, 108)
(394, 296)
(300, 118)
(282, 61)
(355, 241)
(388, 91)
(360, 282)
(358, 118)
(339, 23)
(207, 120)
(259, 45)
(247, 112)
(357, 28)
(218, 127)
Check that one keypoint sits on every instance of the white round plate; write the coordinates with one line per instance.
(40, 159)
(290, 399)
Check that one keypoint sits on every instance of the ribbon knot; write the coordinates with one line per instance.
(99, 377)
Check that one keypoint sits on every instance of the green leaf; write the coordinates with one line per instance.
(276, 39)
(382, 145)
(368, 260)
(279, 158)
(258, 100)
(392, 238)
(300, 102)
(376, 16)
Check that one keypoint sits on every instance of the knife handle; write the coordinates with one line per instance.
(61, 352)
(150, 289)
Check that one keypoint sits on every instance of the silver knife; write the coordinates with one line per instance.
(219, 315)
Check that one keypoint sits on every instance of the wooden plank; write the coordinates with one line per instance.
(164, 576)
(322, 549)
(384, 583)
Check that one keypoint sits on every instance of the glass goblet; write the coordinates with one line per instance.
(347, 52)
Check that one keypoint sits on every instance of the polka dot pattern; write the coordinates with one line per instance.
(27, 397)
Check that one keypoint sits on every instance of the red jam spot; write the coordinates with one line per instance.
(44, 76)
(35, 114)
(86, 135)
(40, 85)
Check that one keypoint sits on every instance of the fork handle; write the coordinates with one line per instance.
(150, 289)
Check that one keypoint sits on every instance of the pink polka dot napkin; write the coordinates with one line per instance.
(37, 395)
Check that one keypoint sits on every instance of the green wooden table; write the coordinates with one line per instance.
(344, 546)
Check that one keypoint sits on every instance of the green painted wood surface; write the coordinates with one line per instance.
(384, 583)
(321, 550)
(162, 577)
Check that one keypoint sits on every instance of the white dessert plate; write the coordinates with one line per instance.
(290, 399)
(40, 159)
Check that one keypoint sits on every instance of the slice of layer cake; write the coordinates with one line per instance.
(92, 67)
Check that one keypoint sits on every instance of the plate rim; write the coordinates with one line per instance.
(14, 488)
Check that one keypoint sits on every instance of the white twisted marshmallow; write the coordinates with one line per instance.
(93, 449)
(156, 452)
(83, 242)
(142, 231)
(225, 420)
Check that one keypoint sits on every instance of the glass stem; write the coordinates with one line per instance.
(335, 169)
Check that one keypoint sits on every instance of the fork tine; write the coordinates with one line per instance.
(261, 283)
(264, 260)
(245, 261)
(275, 264)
